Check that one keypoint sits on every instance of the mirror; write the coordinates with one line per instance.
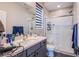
(1, 27)
(2, 21)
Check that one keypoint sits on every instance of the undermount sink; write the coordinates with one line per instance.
(3, 49)
(20, 40)
(31, 38)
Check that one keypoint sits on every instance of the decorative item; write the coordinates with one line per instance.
(48, 26)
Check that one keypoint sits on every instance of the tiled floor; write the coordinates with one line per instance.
(57, 54)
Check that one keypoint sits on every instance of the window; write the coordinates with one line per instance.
(39, 16)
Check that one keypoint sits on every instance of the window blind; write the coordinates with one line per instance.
(39, 16)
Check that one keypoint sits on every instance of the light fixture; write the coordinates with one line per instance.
(58, 6)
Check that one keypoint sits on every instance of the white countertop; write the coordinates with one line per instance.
(27, 44)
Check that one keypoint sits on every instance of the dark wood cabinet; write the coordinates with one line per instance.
(38, 50)
(32, 49)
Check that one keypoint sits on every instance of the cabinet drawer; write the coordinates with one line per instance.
(42, 52)
(32, 49)
(21, 54)
(43, 43)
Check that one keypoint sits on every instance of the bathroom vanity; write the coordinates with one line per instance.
(30, 48)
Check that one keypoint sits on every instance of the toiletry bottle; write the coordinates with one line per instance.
(13, 36)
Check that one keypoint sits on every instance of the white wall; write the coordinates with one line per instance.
(74, 13)
(60, 12)
(42, 31)
(17, 15)
(59, 18)
(62, 33)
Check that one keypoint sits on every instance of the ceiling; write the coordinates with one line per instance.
(50, 6)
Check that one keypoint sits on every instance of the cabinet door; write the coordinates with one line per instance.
(42, 52)
(32, 49)
(43, 43)
(39, 53)
(32, 55)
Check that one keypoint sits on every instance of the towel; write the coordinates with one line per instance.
(74, 37)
